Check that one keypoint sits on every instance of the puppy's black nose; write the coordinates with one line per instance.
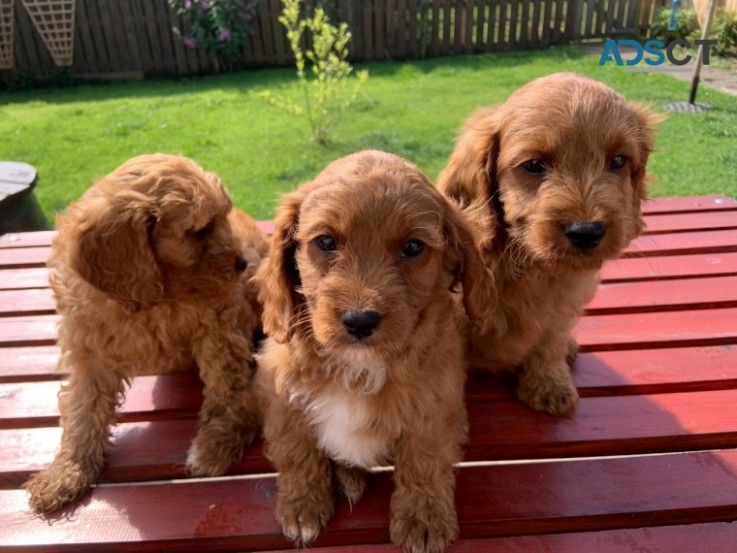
(241, 264)
(584, 234)
(360, 323)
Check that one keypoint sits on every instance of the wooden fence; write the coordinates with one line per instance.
(135, 38)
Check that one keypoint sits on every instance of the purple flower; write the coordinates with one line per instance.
(249, 15)
(189, 42)
(223, 34)
(204, 7)
(187, 4)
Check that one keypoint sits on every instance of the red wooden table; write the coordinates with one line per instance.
(647, 463)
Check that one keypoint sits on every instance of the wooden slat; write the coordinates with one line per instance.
(518, 500)
(654, 330)
(24, 257)
(38, 330)
(500, 430)
(668, 267)
(18, 279)
(669, 369)
(710, 220)
(716, 241)
(26, 302)
(693, 204)
(33, 404)
(622, 297)
(29, 363)
(26, 239)
(29, 450)
(719, 536)
(670, 295)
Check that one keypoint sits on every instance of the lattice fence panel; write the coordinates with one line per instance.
(54, 20)
(6, 34)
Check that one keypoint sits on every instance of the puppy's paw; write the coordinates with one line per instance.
(351, 482)
(59, 484)
(427, 530)
(302, 522)
(555, 396)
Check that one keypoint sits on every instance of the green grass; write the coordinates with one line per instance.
(76, 135)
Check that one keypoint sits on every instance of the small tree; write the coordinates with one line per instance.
(219, 27)
(322, 70)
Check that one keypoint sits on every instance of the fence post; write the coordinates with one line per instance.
(573, 19)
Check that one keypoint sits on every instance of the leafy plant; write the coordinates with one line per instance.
(726, 32)
(220, 27)
(322, 70)
(686, 23)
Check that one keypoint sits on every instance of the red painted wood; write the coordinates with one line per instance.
(29, 363)
(26, 302)
(669, 295)
(619, 425)
(718, 537)
(16, 279)
(44, 237)
(610, 297)
(19, 258)
(27, 239)
(673, 369)
(654, 330)
(716, 241)
(501, 430)
(669, 267)
(680, 204)
(518, 500)
(150, 397)
(36, 330)
(710, 220)
(140, 451)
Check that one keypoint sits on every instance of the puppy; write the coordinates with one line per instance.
(551, 181)
(150, 274)
(364, 364)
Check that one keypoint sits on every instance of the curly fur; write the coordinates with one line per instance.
(576, 127)
(336, 405)
(149, 277)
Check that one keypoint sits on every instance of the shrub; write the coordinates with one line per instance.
(726, 32)
(219, 27)
(327, 92)
(687, 23)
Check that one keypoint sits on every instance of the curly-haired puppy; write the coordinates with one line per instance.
(552, 182)
(149, 273)
(364, 365)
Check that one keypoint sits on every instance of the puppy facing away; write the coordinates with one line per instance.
(551, 181)
(364, 365)
(150, 273)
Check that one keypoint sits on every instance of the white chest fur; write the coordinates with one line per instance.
(343, 424)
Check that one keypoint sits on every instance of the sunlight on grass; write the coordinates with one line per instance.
(75, 135)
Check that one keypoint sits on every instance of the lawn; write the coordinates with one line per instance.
(75, 135)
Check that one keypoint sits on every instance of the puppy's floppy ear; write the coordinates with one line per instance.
(647, 122)
(113, 250)
(470, 178)
(277, 276)
(479, 292)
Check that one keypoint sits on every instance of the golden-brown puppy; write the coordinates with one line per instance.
(149, 272)
(552, 182)
(365, 362)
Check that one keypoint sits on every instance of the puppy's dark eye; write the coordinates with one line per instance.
(412, 249)
(325, 243)
(204, 232)
(617, 162)
(536, 167)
